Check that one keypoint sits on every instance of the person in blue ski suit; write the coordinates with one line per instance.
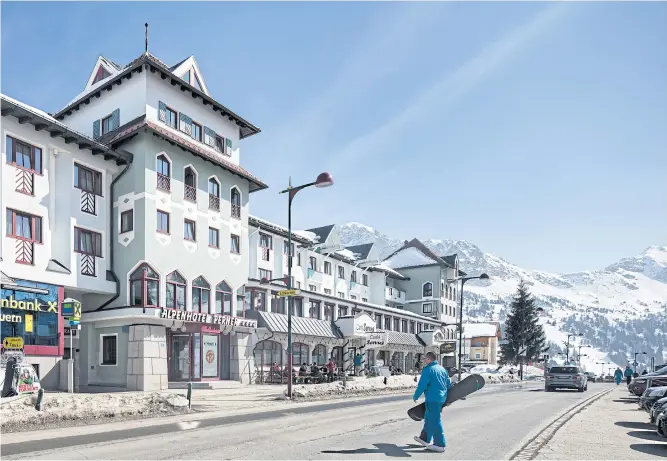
(434, 384)
(618, 376)
(628, 373)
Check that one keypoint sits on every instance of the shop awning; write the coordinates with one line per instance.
(404, 339)
(301, 326)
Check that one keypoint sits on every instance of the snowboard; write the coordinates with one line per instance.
(469, 385)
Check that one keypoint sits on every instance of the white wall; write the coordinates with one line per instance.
(161, 90)
(129, 97)
(58, 203)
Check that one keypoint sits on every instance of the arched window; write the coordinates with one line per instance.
(144, 287)
(267, 353)
(190, 184)
(235, 199)
(337, 355)
(201, 293)
(223, 299)
(213, 194)
(299, 353)
(427, 290)
(320, 354)
(163, 173)
(175, 291)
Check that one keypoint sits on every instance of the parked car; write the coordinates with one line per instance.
(638, 385)
(591, 376)
(661, 422)
(658, 407)
(609, 379)
(566, 377)
(650, 396)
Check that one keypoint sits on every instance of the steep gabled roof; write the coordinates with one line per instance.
(322, 233)
(413, 254)
(156, 66)
(450, 260)
(362, 250)
(190, 63)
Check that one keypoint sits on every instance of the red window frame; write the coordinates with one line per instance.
(234, 239)
(34, 220)
(95, 238)
(96, 179)
(176, 285)
(141, 275)
(194, 230)
(35, 154)
(157, 228)
(217, 238)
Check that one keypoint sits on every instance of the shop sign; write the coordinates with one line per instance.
(9, 318)
(70, 331)
(28, 323)
(215, 319)
(71, 308)
(376, 339)
(448, 347)
(11, 303)
(15, 342)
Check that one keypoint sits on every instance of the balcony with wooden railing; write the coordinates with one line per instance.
(163, 182)
(214, 202)
(24, 251)
(266, 253)
(190, 193)
(236, 211)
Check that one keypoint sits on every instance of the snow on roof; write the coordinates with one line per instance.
(307, 235)
(345, 253)
(474, 330)
(384, 268)
(409, 257)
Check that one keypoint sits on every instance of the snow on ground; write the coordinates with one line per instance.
(354, 387)
(19, 414)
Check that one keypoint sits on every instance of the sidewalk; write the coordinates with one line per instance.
(610, 428)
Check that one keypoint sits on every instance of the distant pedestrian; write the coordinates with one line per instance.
(628, 373)
(645, 372)
(331, 366)
(434, 384)
(618, 376)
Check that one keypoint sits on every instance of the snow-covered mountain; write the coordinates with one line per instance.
(621, 309)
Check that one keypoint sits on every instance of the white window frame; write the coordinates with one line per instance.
(102, 336)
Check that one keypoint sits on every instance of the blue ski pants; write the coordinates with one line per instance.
(433, 424)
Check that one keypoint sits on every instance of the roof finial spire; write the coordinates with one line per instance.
(146, 25)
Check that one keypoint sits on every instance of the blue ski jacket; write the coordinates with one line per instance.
(433, 383)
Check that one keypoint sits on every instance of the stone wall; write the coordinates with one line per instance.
(242, 366)
(147, 358)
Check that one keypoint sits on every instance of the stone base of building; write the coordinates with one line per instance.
(147, 358)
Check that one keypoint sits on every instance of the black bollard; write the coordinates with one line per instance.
(40, 396)
(189, 395)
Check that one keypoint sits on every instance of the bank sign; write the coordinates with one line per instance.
(213, 319)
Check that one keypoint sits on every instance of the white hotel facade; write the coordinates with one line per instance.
(132, 200)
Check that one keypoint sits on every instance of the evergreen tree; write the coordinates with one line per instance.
(522, 329)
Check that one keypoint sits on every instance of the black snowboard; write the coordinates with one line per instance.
(469, 385)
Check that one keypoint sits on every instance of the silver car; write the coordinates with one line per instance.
(566, 377)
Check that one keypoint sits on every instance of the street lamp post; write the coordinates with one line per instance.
(323, 180)
(579, 352)
(463, 281)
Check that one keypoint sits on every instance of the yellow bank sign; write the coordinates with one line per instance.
(11, 303)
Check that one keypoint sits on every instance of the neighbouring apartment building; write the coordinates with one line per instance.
(132, 200)
(481, 343)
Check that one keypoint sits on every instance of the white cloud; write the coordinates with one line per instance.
(451, 87)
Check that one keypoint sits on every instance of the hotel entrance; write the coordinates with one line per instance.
(194, 357)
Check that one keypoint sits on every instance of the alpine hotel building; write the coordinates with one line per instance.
(132, 200)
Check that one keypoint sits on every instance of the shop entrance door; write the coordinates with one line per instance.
(180, 358)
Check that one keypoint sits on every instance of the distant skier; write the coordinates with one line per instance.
(618, 376)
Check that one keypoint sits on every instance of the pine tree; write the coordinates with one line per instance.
(522, 329)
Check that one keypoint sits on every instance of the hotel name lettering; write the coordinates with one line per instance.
(215, 319)
(34, 306)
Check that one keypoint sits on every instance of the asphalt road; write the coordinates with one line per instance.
(490, 424)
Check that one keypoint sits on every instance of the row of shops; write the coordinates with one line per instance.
(142, 348)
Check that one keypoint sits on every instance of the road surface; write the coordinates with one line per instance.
(488, 425)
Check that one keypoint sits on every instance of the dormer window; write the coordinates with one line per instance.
(101, 74)
(106, 125)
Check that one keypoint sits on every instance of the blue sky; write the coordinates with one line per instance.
(534, 130)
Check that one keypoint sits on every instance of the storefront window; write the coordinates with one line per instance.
(342, 311)
(255, 300)
(299, 353)
(278, 303)
(175, 291)
(314, 310)
(144, 286)
(223, 299)
(196, 365)
(266, 353)
(36, 327)
(320, 354)
(201, 292)
(328, 311)
(210, 356)
(297, 307)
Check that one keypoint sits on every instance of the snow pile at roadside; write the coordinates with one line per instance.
(19, 414)
(358, 386)
(494, 374)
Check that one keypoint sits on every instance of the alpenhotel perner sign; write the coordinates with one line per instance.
(214, 319)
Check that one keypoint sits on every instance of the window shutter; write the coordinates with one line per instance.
(229, 144)
(96, 129)
(162, 112)
(186, 124)
(209, 136)
(115, 119)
